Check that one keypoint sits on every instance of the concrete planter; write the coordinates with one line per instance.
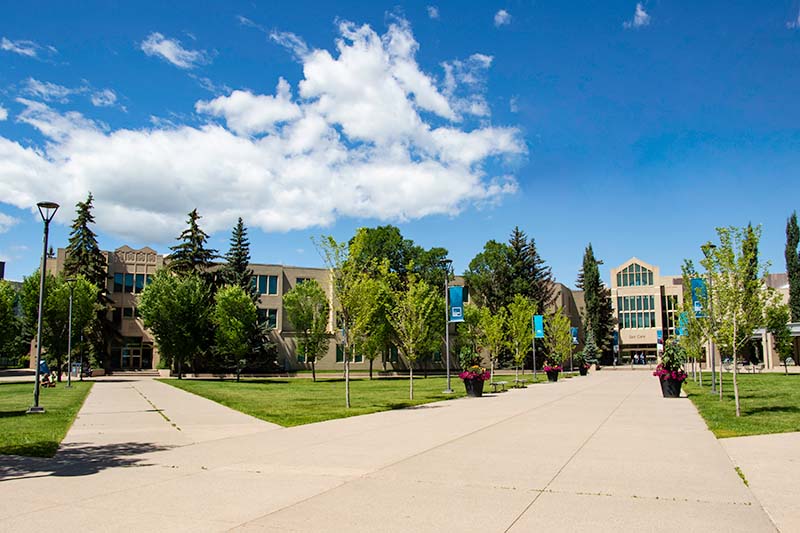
(98, 372)
(164, 372)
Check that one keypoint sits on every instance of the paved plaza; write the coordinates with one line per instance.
(600, 453)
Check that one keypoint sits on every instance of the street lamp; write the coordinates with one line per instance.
(446, 264)
(47, 210)
(707, 248)
(71, 284)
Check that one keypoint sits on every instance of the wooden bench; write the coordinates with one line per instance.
(496, 384)
(520, 383)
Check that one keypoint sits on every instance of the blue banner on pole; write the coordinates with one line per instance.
(574, 332)
(616, 338)
(457, 304)
(699, 295)
(683, 324)
(538, 326)
(660, 340)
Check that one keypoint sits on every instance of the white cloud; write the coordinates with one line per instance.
(433, 12)
(794, 24)
(3, 113)
(171, 50)
(640, 18)
(25, 48)
(513, 104)
(291, 42)
(369, 135)
(47, 91)
(502, 18)
(104, 98)
(6, 222)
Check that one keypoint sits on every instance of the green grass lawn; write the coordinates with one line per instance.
(293, 402)
(37, 435)
(770, 403)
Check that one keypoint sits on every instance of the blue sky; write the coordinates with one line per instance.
(637, 127)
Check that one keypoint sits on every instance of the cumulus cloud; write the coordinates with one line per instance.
(6, 222)
(369, 134)
(3, 113)
(640, 18)
(172, 51)
(502, 18)
(433, 12)
(47, 91)
(25, 48)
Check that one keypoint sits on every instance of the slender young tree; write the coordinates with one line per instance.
(777, 325)
(520, 329)
(237, 267)
(83, 255)
(494, 327)
(234, 317)
(558, 337)
(307, 308)
(191, 255)
(793, 266)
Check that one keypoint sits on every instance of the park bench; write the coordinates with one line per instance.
(520, 383)
(500, 384)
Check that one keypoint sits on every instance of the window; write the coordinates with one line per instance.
(138, 285)
(127, 312)
(148, 279)
(339, 353)
(118, 279)
(265, 284)
(298, 281)
(272, 284)
(272, 318)
(262, 284)
(358, 358)
(128, 283)
(634, 275)
(394, 355)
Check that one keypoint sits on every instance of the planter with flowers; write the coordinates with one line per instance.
(552, 370)
(473, 374)
(670, 370)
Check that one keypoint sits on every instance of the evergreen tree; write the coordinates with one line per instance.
(599, 316)
(191, 255)
(530, 277)
(793, 266)
(83, 253)
(237, 271)
(750, 250)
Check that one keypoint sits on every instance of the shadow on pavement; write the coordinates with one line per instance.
(77, 459)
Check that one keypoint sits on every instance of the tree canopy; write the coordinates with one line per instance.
(191, 255)
(307, 308)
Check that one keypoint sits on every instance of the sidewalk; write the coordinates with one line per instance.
(600, 453)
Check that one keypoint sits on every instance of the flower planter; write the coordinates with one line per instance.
(552, 375)
(474, 387)
(671, 388)
(583, 370)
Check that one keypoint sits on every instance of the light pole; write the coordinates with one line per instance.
(446, 263)
(47, 210)
(71, 284)
(706, 251)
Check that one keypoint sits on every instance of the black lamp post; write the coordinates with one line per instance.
(446, 264)
(47, 210)
(71, 283)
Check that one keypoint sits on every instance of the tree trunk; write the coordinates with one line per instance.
(735, 372)
(719, 378)
(491, 372)
(180, 372)
(370, 368)
(313, 370)
(58, 368)
(347, 378)
(410, 380)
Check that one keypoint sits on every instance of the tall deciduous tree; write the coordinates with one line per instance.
(176, 310)
(793, 266)
(237, 262)
(307, 308)
(371, 311)
(414, 320)
(234, 317)
(191, 256)
(739, 300)
(520, 329)
(12, 344)
(489, 276)
(83, 255)
(599, 317)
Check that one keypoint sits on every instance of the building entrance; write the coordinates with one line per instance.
(132, 355)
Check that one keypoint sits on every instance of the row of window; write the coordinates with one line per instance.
(636, 303)
(134, 283)
(266, 284)
(634, 275)
(637, 320)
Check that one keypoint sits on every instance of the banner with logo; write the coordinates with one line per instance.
(699, 295)
(683, 324)
(660, 341)
(456, 304)
(538, 326)
(574, 332)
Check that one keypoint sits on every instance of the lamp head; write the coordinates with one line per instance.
(47, 210)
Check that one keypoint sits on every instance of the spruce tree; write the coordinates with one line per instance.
(530, 275)
(237, 271)
(191, 255)
(83, 253)
(598, 317)
(750, 249)
(793, 266)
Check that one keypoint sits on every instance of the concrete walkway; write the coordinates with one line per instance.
(601, 453)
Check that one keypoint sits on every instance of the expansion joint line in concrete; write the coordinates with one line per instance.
(571, 457)
(157, 409)
(384, 467)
